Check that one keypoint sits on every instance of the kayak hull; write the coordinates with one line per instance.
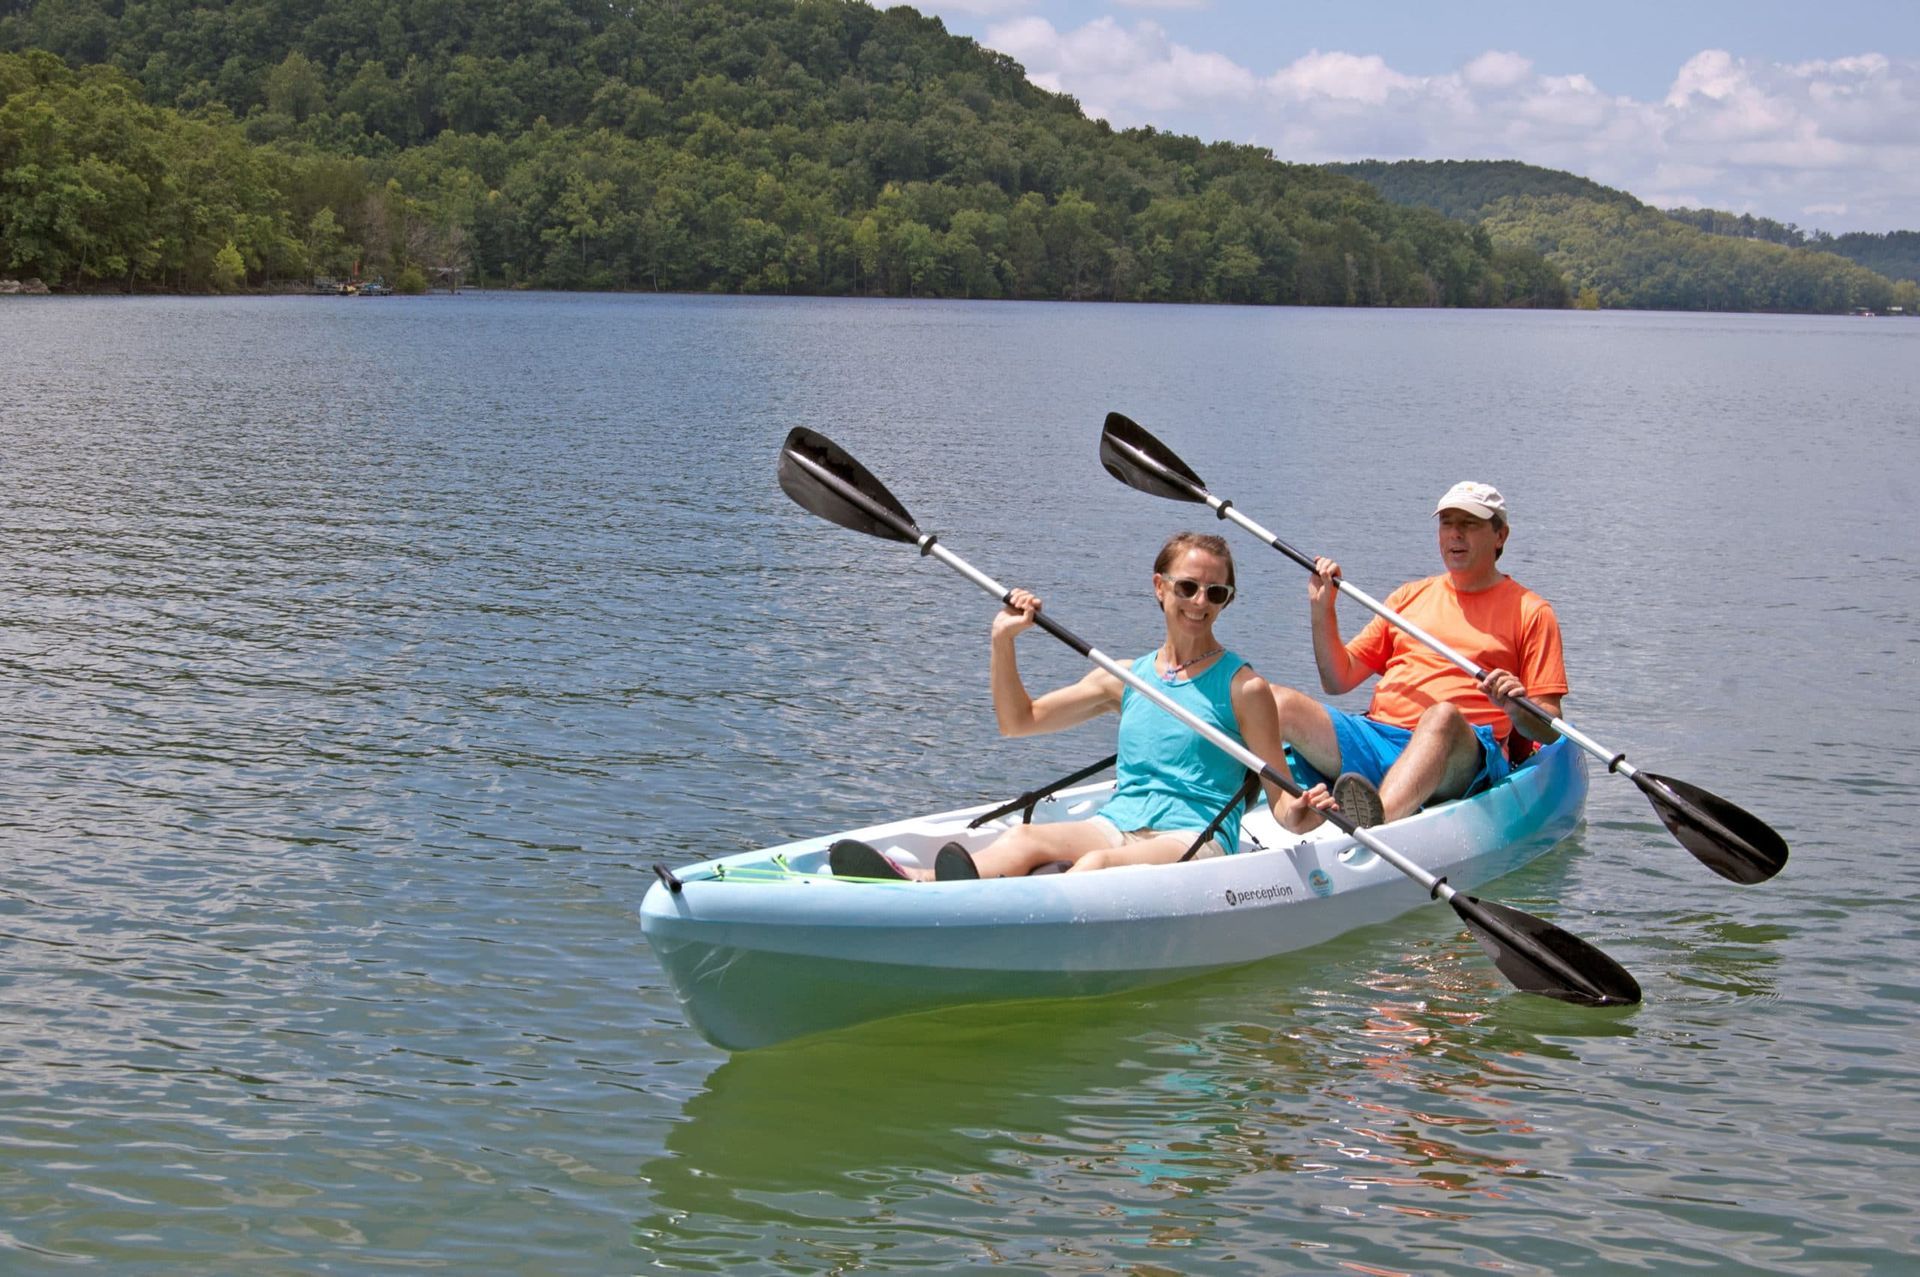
(766, 946)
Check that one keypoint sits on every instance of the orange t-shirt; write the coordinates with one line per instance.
(1504, 627)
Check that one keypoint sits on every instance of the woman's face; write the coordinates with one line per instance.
(1195, 613)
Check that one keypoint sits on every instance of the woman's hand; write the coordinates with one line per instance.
(1298, 815)
(1017, 616)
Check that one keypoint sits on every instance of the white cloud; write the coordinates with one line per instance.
(977, 8)
(1791, 141)
(1712, 74)
(1497, 70)
(1131, 74)
(1339, 77)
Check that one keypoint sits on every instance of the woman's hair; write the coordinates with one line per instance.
(1180, 542)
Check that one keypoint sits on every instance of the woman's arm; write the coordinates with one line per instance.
(1017, 712)
(1259, 725)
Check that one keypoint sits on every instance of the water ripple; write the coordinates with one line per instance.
(357, 659)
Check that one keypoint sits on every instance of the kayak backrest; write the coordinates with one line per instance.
(1248, 791)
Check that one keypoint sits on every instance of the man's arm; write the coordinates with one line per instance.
(1501, 687)
(1542, 667)
(1339, 672)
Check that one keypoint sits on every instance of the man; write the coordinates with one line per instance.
(1431, 731)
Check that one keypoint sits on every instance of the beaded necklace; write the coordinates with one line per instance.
(1174, 670)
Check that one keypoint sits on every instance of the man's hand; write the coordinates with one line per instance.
(1321, 587)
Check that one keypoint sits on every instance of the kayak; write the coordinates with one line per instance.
(767, 945)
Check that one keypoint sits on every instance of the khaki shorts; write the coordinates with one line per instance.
(1118, 837)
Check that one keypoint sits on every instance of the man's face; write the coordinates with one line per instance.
(1469, 544)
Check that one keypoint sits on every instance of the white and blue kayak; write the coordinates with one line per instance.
(768, 945)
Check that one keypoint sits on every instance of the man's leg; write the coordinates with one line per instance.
(1304, 724)
(1442, 758)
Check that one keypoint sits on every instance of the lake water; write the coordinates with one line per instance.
(357, 657)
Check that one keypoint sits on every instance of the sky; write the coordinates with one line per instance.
(1805, 112)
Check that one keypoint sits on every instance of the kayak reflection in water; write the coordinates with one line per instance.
(1170, 783)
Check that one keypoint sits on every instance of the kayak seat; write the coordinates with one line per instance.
(1246, 795)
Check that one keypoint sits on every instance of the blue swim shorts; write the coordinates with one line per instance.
(1369, 748)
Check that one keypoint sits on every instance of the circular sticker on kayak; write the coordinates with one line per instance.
(1321, 882)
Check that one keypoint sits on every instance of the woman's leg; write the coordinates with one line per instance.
(1161, 849)
(1025, 848)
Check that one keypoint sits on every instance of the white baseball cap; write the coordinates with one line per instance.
(1481, 500)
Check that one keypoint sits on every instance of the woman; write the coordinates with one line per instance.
(1169, 781)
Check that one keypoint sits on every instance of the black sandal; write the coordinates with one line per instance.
(851, 858)
(954, 863)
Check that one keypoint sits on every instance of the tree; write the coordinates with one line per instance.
(1076, 245)
(295, 88)
(582, 209)
(868, 251)
(1027, 245)
(229, 268)
(825, 146)
(913, 246)
(325, 244)
(970, 252)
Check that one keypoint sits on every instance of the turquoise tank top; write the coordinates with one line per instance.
(1168, 777)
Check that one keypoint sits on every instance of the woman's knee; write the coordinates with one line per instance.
(1014, 839)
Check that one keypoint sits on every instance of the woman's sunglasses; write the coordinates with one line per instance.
(1186, 587)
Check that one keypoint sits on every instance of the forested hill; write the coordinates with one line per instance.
(1895, 254)
(1461, 188)
(817, 146)
(1618, 252)
(376, 75)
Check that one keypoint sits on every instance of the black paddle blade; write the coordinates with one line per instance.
(1726, 839)
(824, 478)
(1541, 958)
(1141, 461)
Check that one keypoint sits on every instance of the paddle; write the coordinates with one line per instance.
(1535, 955)
(1728, 840)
